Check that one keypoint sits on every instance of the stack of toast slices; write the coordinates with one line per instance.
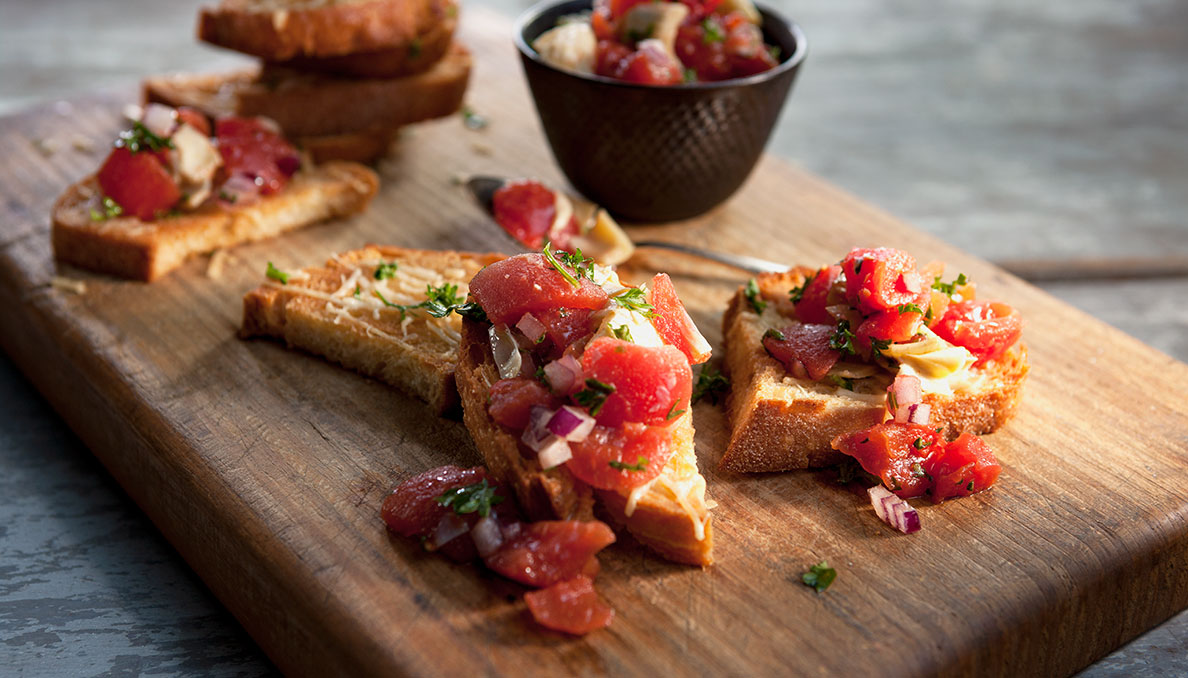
(339, 77)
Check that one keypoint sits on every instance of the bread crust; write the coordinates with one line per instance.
(279, 31)
(657, 521)
(781, 423)
(127, 247)
(408, 357)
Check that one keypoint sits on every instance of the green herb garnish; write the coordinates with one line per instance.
(909, 308)
(640, 464)
(843, 339)
(622, 332)
(711, 383)
(139, 138)
(414, 48)
(819, 576)
(773, 333)
(918, 470)
(633, 299)
(689, 75)
(277, 274)
(552, 259)
(476, 498)
(358, 290)
(543, 377)
(111, 209)
(386, 270)
(797, 293)
(879, 345)
(713, 31)
(751, 292)
(593, 397)
(471, 310)
(228, 197)
(920, 444)
(673, 412)
(949, 288)
(440, 300)
(472, 120)
(840, 381)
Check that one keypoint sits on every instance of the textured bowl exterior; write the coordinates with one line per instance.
(650, 153)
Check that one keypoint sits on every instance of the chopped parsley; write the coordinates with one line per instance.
(797, 293)
(543, 377)
(640, 464)
(471, 310)
(970, 486)
(111, 209)
(635, 35)
(819, 576)
(622, 332)
(581, 265)
(414, 48)
(140, 138)
(713, 31)
(918, 470)
(472, 120)
(476, 498)
(358, 290)
(775, 52)
(228, 197)
(843, 339)
(909, 308)
(920, 444)
(689, 74)
(840, 381)
(949, 288)
(386, 270)
(673, 412)
(710, 383)
(633, 299)
(773, 333)
(879, 345)
(439, 302)
(277, 274)
(594, 396)
(751, 292)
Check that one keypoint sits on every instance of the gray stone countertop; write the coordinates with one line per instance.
(1041, 133)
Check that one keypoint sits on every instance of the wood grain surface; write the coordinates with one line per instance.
(265, 468)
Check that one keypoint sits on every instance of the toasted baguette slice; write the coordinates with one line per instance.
(317, 310)
(419, 55)
(313, 105)
(670, 514)
(283, 29)
(130, 248)
(365, 146)
(780, 422)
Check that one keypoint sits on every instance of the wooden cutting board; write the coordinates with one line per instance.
(266, 467)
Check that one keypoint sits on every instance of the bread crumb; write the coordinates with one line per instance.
(46, 147)
(279, 19)
(218, 261)
(82, 144)
(68, 285)
(481, 148)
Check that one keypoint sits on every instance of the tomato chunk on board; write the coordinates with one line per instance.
(893, 452)
(882, 279)
(526, 283)
(652, 384)
(961, 468)
(138, 182)
(549, 551)
(571, 606)
(621, 458)
(986, 328)
(804, 350)
(412, 508)
(672, 321)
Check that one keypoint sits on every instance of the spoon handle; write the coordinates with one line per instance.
(752, 264)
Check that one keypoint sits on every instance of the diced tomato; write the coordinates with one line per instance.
(571, 606)
(549, 551)
(601, 24)
(526, 209)
(651, 383)
(526, 283)
(672, 321)
(882, 279)
(760, 61)
(621, 458)
(138, 182)
(893, 452)
(510, 401)
(886, 326)
(804, 350)
(609, 56)
(938, 307)
(194, 118)
(961, 468)
(986, 328)
(412, 508)
(700, 8)
(251, 149)
(814, 299)
(564, 326)
(705, 56)
(649, 64)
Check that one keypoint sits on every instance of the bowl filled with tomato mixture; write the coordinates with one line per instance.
(658, 110)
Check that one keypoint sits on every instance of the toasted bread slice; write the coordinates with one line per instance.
(283, 29)
(130, 248)
(365, 146)
(780, 422)
(314, 105)
(419, 55)
(670, 514)
(317, 310)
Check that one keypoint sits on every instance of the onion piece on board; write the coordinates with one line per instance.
(487, 536)
(894, 511)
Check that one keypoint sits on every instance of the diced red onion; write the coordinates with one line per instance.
(238, 189)
(554, 452)
(531, 327)
(487, 536)
(917, 413)
(450, 527)
(160, 120)
(571, 424)
(563, 374)
(537, 432)
(506, 352)
(894, 511)
(905, 390)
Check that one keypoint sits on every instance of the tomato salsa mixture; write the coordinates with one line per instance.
(171, 162)
(654, 42)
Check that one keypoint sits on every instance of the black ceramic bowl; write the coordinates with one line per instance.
(649, 153)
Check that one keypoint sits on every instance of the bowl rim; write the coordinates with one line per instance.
(791, 63)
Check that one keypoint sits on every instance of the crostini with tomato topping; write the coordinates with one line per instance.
(174, 186)
(577, 388)
(812, 352)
